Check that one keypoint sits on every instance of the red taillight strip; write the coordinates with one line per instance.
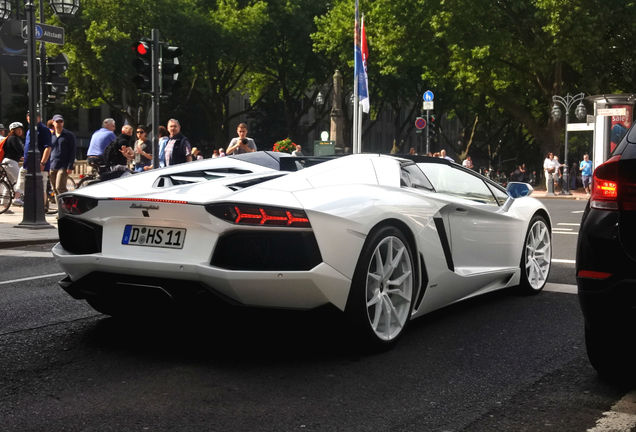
(264, 217)
(590, 274)
(152, 200)
(294, 219)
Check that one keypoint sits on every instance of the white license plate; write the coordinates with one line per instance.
(163, 237)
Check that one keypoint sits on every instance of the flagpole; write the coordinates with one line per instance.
(360, 128)
(356, 102)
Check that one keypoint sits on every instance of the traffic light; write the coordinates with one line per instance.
(170, 69)
(143, 65)
(56, 84)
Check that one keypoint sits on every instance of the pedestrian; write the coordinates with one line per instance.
(215, 153)
(468, 162)
(237, 145)
(44, 164)
(13, 152)
(99, 141)
(443, 155)
(119, 153)
(558, 174)
(412, 151)
(196, 154)
(62, 155)
(178, 148)
(3, 130)
(586, 172)
(142, 157)
(163, 140)
(221, 152)
(549, 170)
(298, 151)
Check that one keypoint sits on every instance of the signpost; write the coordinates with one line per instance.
(45, 33)
(420, 122)
(427, 106)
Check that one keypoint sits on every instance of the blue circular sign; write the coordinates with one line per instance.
(428, 96)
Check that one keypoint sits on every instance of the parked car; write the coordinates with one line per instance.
(381, 238)
(606, 264)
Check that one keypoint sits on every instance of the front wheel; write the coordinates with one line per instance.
(381, 297)
(6, 196)
(536, 257)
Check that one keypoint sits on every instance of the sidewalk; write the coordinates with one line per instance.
(11, 235)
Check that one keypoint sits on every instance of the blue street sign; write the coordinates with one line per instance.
(428, 96)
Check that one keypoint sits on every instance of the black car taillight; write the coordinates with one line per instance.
(611, 189)
(248, 214)
(605, 185)
(75, 205)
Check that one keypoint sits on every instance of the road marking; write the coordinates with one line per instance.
(569, 224)
(32, 278)
(560, 288)
(578, 211)
(25, 254)
(564, 232)
(563, 261)
(562, 229)
(621, 417)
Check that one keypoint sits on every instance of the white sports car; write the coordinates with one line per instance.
(382, 238)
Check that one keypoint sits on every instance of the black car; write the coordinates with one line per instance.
(606, 264)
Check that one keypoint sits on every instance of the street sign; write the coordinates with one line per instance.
(428, 96)
(427, 106)
(45, 33)
(420, 122)
(611, 112)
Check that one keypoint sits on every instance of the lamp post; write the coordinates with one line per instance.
(33, 216)
(567, 102)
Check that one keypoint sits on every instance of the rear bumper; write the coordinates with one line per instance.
(309, 289)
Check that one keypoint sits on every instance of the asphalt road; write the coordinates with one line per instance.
(500, 362)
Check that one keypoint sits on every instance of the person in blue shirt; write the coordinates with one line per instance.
(99, 141)
(586, 172)
(62, 155)
(44, 164)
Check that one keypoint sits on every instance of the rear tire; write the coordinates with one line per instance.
(381, 297)
(611, 354)
(6, 196)
(536, 257)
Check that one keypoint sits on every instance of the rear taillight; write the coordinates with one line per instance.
(610, 189)
(245, 214)
(591, 274)
(75, 205)
(605, 185)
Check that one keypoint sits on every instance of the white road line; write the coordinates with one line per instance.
(32, 278)
(562, 229)
(621, 417)
(25, 254)
(569, 224)
(563, 261)
(565, 232)
(578, 211)
(560, 288)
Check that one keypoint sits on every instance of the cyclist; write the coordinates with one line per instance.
(13, 151)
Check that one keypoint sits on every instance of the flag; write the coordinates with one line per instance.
(359, 71)
(365, 55)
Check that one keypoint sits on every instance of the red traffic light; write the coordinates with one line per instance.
(142, 48)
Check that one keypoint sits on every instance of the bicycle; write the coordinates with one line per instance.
(6, 189)
(97, 168)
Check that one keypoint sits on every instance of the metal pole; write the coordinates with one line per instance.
(33, 216)
(42, 66)
(156, 76)
(565, 188)
(428, 147)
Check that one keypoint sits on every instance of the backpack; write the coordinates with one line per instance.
(2, 148)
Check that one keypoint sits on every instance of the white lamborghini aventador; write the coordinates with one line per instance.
(382, 238)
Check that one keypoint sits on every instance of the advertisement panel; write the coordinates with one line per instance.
(619, 125)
